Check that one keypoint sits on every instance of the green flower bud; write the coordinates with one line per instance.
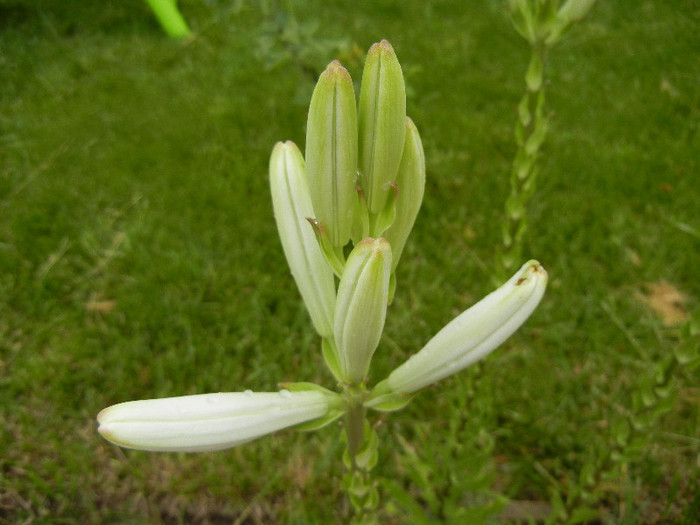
(331, 152)
(410, 181)
(523, 17)
(574, 10)
(568, 14)
(291, 202)
(361, 305)
(382, 126)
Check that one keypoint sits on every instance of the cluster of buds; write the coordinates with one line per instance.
(543, 22)
(344, 212)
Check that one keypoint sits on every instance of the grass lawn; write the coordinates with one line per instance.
(139, 258)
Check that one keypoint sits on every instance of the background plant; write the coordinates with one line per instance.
(117, 264)
(542, 23)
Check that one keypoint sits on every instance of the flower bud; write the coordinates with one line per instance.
(574, 10)
(291, 202)
(410, 181)
(382, 126)
(523, 17)
(470, 336)
(331, 152)
(361, 305)
(207, 422)
(568, 14)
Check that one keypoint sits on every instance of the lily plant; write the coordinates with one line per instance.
(344, 211)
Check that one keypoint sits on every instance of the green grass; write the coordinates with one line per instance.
(139, 258)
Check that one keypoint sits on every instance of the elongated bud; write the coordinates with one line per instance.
(410, 181)
(382, 126)
(292, 206)
(360, 309)
(470, 336)
(568, 14)
(206, 422)
(523, 17)
(574, 10)
(331, 152)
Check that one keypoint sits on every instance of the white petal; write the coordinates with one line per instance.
(474, 333)
(207, 422)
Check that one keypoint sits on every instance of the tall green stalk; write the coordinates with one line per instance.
(530, 132)
(360, 457)
(541, 23)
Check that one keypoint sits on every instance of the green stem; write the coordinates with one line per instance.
(170, 18)
(530, 132)
(360, 458)
(355, 430)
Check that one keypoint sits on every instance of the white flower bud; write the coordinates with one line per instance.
(473, 334)
(207, 422)
(292, 206)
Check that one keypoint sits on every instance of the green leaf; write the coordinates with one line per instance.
(582, 515)
(330, 355)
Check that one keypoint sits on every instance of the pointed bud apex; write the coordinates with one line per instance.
(472, 335)
(361, 307)
(208, 422)
(292, 206)
(410, 182)
(331, 152)
(382, 127)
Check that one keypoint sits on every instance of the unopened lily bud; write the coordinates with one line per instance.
(574, 10)
(291, 202)
(470, 336)
(568, 14)
(207, 422)
(521, 12)
(331, 152)
(410, 182)
(382, 126)
(360, 309)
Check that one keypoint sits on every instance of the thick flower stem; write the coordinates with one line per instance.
(355, 430)
(360, 458)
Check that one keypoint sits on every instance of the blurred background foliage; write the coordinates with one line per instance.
(139, 258)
